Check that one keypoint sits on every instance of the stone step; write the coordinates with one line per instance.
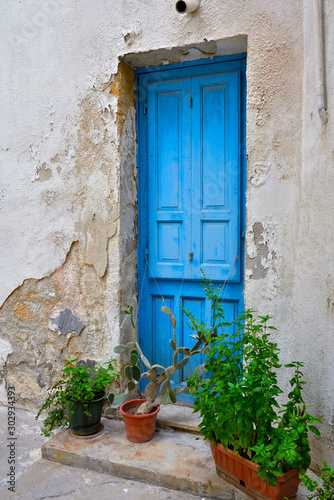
(178, 417)
(175, 460)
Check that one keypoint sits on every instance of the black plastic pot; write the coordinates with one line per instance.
(85, 425)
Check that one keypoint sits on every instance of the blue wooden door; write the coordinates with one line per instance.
(191, 197)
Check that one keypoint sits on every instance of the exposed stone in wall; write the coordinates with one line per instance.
(124, 88)
(34, 353)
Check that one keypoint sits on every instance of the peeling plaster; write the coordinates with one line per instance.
(189, 52)
(97, 205)
(262, 258)
(44, 173)
(257, 252)
(258, 173)
(130, 37)
(36, 360)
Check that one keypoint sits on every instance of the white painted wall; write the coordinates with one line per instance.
(61, 157)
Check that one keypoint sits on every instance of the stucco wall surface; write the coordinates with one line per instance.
(312, 306)
(68, 175)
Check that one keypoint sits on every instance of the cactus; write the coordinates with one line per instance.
(159, 376)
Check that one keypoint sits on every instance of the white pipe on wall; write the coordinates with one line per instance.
(187, 6)
(319, 62)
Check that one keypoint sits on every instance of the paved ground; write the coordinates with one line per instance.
(39, 479)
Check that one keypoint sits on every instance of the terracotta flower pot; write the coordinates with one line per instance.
(243, 474)
(139, 428)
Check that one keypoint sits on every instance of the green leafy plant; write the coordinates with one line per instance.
(82, 381)
(324, 491)
(159, 376)
(238, 399)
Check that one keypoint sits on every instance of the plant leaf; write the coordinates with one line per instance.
(170, 371)
(177, 390)
(196, 346)
(200, 370)
(119, 400)
(119, 349)
(183, 350)
(152, 374)
(314, 430)
(134, 357)
(136, 373)
(183, 363)
(173, 344)
(109, 410)
(165, 398)
(172, 396)
(166, 310)
(165, 386)
(128, 372)
(131, 386)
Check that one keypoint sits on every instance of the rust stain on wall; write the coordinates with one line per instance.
(21, 312)
(123, 87)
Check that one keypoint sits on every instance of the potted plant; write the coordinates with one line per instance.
(140, 414)
(258, 444)
(324, 490)
(76, 400)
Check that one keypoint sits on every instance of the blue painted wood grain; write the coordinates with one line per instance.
(191, 196)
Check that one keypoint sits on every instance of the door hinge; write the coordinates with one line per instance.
(190, 102)
(191, 256)
(145, 108)
(146, 253)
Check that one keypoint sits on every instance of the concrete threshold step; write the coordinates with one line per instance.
(176, 460)
(178, 417)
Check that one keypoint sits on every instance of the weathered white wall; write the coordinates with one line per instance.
(68, 174)
(312, 307)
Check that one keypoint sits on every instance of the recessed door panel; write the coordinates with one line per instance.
(216, 176)
(168, 178)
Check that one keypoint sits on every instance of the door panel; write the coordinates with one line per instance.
(168, 178)
(216, 167)
(190, 198)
